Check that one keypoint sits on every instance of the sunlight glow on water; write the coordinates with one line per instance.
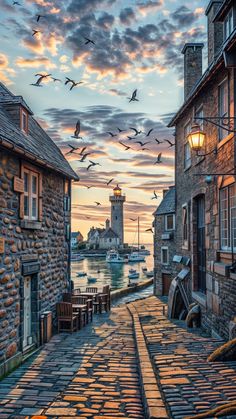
(115, 275)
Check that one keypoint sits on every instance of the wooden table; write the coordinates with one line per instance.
(78, 308)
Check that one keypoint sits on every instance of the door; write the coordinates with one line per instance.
(27, 340)
(166, 281)
(201, 249)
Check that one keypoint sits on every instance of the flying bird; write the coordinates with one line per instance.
(42, 75)
(155, 195)
(136, 131)
(126, 146)
(97, 203)
(133, 219)
(111, 134)
(40, 79)
(142, 144)
(73, 149)
(92, 163)
(149, 132)
(130, 138)
(133, 98)
(73, 83)
(55, 79)
(84, 156)
(158, 141)
(121, 130)
(111, 180)
(39, 17)
(82, 151)
(35, 32)
(150, 230)
(171, 144)
(158, 160)
(88, 187)
(77, 131)
(16, 3)
(88, 41)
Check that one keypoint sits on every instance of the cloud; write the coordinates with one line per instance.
(127, 16)
(35, 62)
(5, 70)
(149, 6)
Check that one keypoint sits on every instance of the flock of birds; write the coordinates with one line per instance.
(81, 151)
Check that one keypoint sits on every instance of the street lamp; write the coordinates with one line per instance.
(196, 137)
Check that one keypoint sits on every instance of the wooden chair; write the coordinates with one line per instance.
(92, 290)
(66, 297)
(107, 291)
(82, 310)
(77, 291)
(65, 316)
(103, 303)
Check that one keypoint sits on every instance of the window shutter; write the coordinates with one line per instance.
(40, 197)
(21, 209)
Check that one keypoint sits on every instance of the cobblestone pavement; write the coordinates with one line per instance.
(189, 383)
(90, 374)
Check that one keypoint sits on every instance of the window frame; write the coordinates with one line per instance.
(24, 113)
(223, 132)
(229, 19)
(187, 162)
(173, 221)
(30, 195)
(185, 234)
(228, 220)
(165, 248)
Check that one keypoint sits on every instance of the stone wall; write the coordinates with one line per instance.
(47, 245)
(218, 305)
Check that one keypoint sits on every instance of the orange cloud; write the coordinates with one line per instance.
(5, 70)
(35, 62)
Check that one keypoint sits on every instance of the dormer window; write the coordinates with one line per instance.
(228, 24)
(24, 120)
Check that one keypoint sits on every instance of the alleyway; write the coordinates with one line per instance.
(94, 373)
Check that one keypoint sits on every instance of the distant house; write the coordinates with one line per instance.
(103, 238)
(76, 239)
(35, 213)
(164, 243)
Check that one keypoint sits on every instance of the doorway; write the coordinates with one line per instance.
(27, 309)
(201, 248)
(166, 281)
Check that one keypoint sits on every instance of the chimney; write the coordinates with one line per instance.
(107, 224)
(192, 66)
(215, 30)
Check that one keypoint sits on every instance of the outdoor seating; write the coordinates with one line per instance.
(93, 290)
(80, 307)
(66, 297)
(66, 316)
(77, 291)
(103, 303)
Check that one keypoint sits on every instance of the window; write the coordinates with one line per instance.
(24, 121)
(31, 194)
(67, 201)
(228, 217)
(228, 24)
(169, 222)
(187, 149)
(200, 114)
(223, 106)
(185, 226)
(165, 256)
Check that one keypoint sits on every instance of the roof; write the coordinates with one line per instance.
(109, 234)
(167, 205)
(117, 188)
(223, 9)
(37, 145)
(211, 3)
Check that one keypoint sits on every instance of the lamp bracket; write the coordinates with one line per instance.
(214, 151)
(225, 122)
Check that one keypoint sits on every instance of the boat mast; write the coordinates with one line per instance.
(138, 234)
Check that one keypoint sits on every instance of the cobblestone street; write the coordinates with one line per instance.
(94, 373)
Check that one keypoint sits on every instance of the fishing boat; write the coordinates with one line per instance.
(92, 279)
(133, 279)
(144, 251)
(132, 271)
(144, 269)
(80, 274)
(137, 256)
(114, 257)
(134, 275)
(149, 274)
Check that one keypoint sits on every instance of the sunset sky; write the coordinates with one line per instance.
(137, 46)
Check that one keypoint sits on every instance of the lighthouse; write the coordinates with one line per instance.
(117, 213)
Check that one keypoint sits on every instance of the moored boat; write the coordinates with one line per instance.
(92, 279)
(134, 275)
(114, 257)
(76, 258)
(80, 274)
(149, 274)
(136, 257)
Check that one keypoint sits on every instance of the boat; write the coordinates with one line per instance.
(77, 258)
(114, 257)
(134, 275)
(144, 252)
(80, 274)
(136, 256)
(132, 271)
(133, 279)
(144, 269)
(92, 279)
(149, 274)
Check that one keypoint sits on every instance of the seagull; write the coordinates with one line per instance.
(158, 141)
(73, 149)
(68, 80)
(42, 75)
(158, 160)
(97, 203)
(54, 79)
(149, 132)
(111, 180)
(136, 131)
(145, 148)
(133, 219)
(82, 151)
(142, 144)
(88, 41)
(155, 195)
(111, 134)
(149, 230)
(171, 144)
(35, 32)
(121, 130)
(39, 81)
(84, 156)
(73, 83)
(88, 187)
(88, 218)
(130, 138)
(39, 17)
(133, 98)
(77, 131)
(92, 163)
(126, 146)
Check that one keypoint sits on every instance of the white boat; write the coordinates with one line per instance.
(132, 271)
(114, 257)
(77, 258)
(134, 275)
(92, 279)
(145, 252)
(80, 274)
(149, 274)
(136, 257)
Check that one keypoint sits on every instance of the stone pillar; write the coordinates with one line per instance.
(215, 30)
(192, 66)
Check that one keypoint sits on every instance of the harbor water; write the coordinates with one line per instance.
(115, 275)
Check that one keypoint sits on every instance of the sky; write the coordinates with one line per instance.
(137, 45)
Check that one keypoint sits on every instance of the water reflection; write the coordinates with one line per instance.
(114, 275)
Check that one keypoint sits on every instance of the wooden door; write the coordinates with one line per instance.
(27, 312)
(201, 249)
(166, 281)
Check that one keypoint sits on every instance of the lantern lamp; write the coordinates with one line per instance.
(196, 137)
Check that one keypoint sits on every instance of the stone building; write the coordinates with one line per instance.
(205, 181)
(35, 189)
(164, 243)
(103, 238)
(76, 239)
